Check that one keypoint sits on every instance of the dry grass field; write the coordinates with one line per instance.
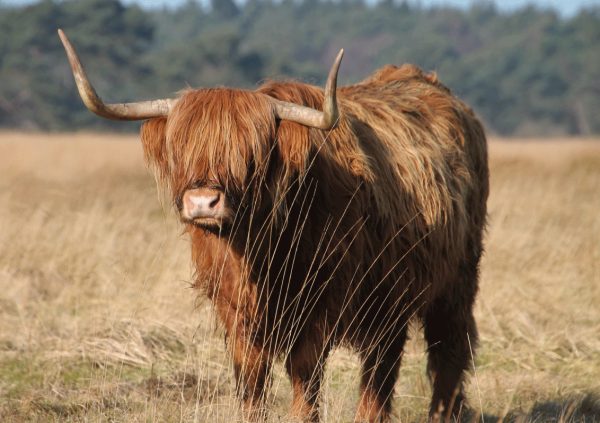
(98, 321)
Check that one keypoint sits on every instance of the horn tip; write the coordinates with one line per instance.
(338, 60)
(63, 37)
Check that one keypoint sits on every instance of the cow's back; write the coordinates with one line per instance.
(428, 159)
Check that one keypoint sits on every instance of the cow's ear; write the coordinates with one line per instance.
(154, 143)
(293, 146)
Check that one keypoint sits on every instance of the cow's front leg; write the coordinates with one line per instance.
(305, 365)
(252, 366)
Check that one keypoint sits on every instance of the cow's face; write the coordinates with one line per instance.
(214, 152)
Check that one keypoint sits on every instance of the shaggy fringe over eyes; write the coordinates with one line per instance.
(212, 136)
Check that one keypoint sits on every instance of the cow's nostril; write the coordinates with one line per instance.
(215, 201)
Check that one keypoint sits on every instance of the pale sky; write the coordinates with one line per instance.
(565, 7)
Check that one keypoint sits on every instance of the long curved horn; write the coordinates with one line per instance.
(119, 111)
(328, 118)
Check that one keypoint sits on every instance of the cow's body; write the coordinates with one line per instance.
(341, 236)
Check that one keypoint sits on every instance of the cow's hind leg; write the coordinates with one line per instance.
(380, 365)
(451, 336)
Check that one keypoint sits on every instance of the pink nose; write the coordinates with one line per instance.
(202, 203)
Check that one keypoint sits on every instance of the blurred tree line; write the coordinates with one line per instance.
(527, 72)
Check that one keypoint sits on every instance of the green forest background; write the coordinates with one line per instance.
(526, 72)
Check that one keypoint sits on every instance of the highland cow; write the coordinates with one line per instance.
(324, 218)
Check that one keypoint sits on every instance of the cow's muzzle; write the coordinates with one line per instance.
(204, 206)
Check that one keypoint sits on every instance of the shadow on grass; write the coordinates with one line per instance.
(584, 408)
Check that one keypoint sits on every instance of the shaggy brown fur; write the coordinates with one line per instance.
(340, 236)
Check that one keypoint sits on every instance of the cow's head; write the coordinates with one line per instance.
(214, 148)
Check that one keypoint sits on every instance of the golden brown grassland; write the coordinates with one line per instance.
(98, 322)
